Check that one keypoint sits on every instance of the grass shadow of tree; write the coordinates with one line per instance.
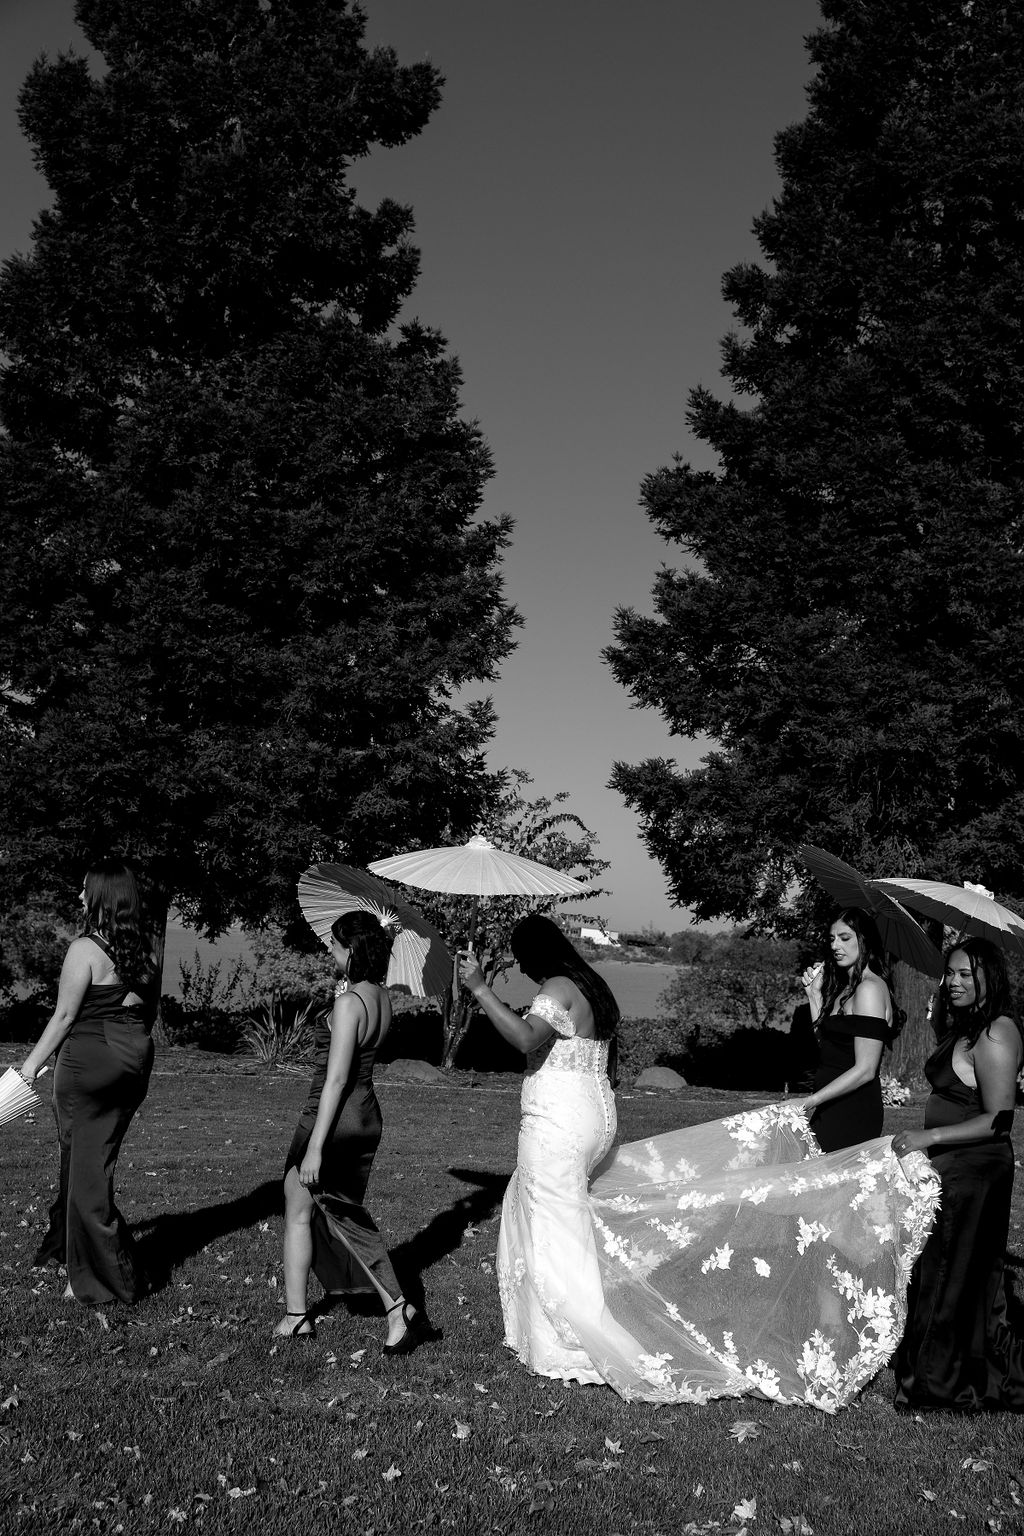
(444, 1231)
(166, 1241)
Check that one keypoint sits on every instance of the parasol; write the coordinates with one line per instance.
(476, 869)
(419, 961)
(966, 909)
(17, 1097)
(900, 933)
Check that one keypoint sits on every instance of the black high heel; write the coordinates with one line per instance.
(418, 1330)
(303, 1317)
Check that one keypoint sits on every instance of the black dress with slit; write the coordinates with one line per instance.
(960, 1350)
(856, 1116)
(348, 1249)
(100, 1079)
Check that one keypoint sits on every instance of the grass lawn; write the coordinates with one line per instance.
(186, 1413)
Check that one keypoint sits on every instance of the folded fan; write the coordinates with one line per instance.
(16, 1096)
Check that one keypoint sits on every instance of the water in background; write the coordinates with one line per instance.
(637, 986)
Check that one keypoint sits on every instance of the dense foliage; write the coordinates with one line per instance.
(848, 622)
(244, 573)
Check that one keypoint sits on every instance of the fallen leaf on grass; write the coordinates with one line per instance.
(361, 1454)
(796, 1524)
(479, 1386)
(391, 1473)
(976, 1464)
(745, 1429)
(461, 1431)
(176, 1517)
(615, 1446)
(357, 1355)
(746, 1509)
(241, 1493)
(792, 1466)
(927, 1494)
(10, 1402)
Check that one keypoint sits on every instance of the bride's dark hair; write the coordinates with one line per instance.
(114, 909)
(542, 950)
(838, 986)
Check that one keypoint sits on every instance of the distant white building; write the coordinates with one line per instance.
(576, 926)
(599, 936)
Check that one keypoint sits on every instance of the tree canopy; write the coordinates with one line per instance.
(848, 626)
(245, 575)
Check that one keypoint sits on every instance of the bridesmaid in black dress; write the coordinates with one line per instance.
(100, 1030)
(959, 1350)
(327, 1227)
(850, 998)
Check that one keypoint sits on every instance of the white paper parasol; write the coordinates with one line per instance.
(419, 961)
(17, 1097)
(966, 909)
(477, 868)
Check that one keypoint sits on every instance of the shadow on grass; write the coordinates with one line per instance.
(165, 1242)
(444, 1232)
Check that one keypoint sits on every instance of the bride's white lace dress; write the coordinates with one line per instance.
(724, 1259)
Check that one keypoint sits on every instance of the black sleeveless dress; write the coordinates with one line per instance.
(856, 1116)
(99, 1082)
(347, 1247)
(960, 1350)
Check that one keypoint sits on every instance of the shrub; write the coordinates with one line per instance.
(280, 969)
(280, 1030)
(204, 1016)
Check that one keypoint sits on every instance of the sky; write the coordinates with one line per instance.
(593, 170)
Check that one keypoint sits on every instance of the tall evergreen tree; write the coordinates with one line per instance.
(243, 574)
(850, 626)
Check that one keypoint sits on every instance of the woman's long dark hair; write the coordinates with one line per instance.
(114, 910)
(838, 986)
(988, 971)
(542, 950)
(369, 944)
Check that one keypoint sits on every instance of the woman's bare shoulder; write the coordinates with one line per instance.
(871, 996)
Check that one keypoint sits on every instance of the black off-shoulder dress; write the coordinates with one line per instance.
(856, 1116)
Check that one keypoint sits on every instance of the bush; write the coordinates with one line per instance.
(281, 970)
(711, 1055)
(655, 1042)
(22, 1018)
(204, 1016)
(280, 1030)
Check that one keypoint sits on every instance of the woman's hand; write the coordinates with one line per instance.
(810, 980)
(911, 1141)
(27, 1071)
(470, 974)
(309, 1172)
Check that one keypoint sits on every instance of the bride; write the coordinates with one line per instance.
(702, 1263)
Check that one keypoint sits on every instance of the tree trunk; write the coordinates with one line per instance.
(455, 1021)
(916, 1041)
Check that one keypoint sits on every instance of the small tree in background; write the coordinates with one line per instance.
(536, 829)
